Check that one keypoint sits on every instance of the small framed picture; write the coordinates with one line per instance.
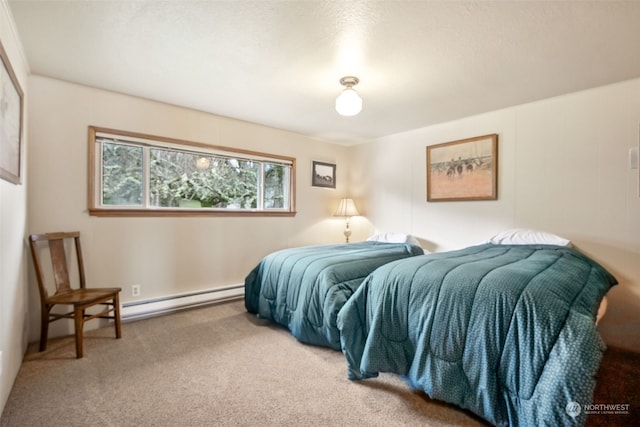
(463, 170)
(323, 175)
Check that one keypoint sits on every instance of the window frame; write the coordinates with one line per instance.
(95, 181)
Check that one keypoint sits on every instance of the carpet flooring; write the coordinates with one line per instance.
(220, 366)
(617, 385)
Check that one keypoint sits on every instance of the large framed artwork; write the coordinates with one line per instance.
(466, 169)
(10, 122)
(323, 175)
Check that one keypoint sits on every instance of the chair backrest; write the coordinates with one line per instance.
(56, 242)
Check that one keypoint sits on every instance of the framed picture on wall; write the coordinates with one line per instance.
(10, 122)
(323, 175)
(463, 170)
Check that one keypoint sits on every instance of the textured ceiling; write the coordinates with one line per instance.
(278, 63)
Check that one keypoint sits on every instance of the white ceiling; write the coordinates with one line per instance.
(278, 63)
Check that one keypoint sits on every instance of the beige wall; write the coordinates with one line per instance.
(166, 256)
(563, 167)
(13, 230)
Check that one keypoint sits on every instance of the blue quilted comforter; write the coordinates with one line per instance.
(304, 288)
(507, 332)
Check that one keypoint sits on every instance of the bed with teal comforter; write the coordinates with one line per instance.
(507, 332)
(304, 288)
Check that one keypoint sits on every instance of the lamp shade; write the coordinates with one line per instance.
(348, 103)
(346, 208)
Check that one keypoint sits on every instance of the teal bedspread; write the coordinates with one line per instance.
(304, 288)
(507, 332)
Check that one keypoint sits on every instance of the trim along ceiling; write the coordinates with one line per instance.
(278, 63)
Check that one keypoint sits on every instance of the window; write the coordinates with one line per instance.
(141, 175)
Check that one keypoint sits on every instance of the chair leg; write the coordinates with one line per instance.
(116, 313)
(44, 327)
(78, 317)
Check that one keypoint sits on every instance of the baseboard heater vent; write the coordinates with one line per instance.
(136, 310)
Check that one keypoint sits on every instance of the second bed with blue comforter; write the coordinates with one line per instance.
(507, 332)
(304, 288)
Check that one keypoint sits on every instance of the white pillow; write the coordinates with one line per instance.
(523, 236)
(394, 238)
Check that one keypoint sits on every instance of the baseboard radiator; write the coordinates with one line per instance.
(136, 310)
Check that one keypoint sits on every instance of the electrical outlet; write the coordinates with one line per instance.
(135, 290)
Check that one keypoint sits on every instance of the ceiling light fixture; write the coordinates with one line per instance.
(349, 103)
(203, 163)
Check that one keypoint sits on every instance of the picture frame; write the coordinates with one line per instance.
(10, 122)
(323, 174)
(465, 169)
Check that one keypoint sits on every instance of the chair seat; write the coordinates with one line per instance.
(83, 296)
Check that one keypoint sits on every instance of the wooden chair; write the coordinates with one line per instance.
(80, 298)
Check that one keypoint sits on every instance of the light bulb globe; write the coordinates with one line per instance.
(348, 103)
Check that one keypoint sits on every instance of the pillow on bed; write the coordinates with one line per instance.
(394, 238)
(523, 236)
